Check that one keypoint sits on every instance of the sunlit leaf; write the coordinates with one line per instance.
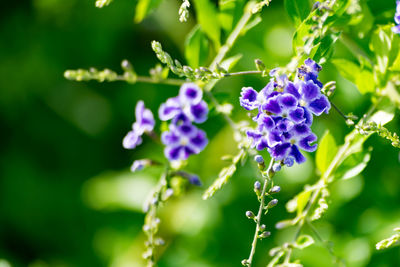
(304, 241)
(326, 151)
(143, 8)
(208, 19)
(196, 47)
(302, 200)
(353, 165)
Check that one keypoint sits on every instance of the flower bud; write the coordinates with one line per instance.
(259, 159)
(250, 214)
(276, 167)
(265, 234)
(257, 186)
(272, 203)
(262, 227)
(245, 262)
(275, 189)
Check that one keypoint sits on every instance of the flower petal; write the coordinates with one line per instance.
(169, 109)
(295, 152)
(309, 91)
(320, 105)
(190, 93)
(248, 98)
(272, 105)
(132, 140)
(297, 115)
(305, 143)
(199, 112)
(279, 151)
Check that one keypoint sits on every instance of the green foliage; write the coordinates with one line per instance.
(102, 3)
(208, 20)
(362, 78)
(298, 10)
(389, 242)
(326, 151)
(196, 47)
(144, 7)
(224, 175)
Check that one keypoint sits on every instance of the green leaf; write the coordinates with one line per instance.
(326, 151)
(325, 48)
(362, 78)
(143, 8)
(298, 10)
(304, 241)
(208, 19)
(230, 62)
(229, 14)
(353, 165)
(385, 44)
(302, 200)
(196, 47)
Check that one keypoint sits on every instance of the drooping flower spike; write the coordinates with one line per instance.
(144, 124)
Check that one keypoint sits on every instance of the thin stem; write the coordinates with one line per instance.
(267, 178)
(145, 79)
(339, 111)
(242, 73)
(227, 118)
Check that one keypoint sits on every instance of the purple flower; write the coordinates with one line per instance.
(309, 96)
(285, 111)
(309, 71)
(396, 29)
(299, 137)
(144, 124)
(182, 141)
(187, 106)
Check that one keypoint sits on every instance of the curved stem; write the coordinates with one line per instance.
(267, 178)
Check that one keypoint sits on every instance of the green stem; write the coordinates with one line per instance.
(267, 178)
(145, 79)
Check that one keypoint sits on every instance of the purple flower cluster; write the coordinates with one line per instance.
(183, 138)
(396, 29)
(285, 113)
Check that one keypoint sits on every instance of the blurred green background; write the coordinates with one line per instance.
(66, 195)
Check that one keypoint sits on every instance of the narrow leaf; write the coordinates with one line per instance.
(143, 8)
(208, 20)
(326, 151)
(196, 47)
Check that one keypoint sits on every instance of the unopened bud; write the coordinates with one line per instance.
(276, 167)
(275, 189)
(272, 203)
(245, 262)
(265, 234)
(257, 186)
(259, 159)
(259, 64)
(262, 227)
(250, 214)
